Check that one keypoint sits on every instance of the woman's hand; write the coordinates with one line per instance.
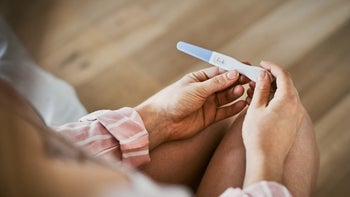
(191, 104)
(270, 126)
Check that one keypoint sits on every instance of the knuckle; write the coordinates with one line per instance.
(293, 101)
(218, 81)
(196, 76)
(187, 77)
(285, 73)
(191, 75)
(263, 87)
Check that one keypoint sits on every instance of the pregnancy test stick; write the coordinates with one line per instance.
(220, 60)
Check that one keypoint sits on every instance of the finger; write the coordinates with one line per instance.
(283, 80)
(205, 74)
(229, 95)
(252, 85)
(261, 91)
(250, 92)
(248, 100)
(243, 80)
(230, 110)
(246, 62)
(218, 83)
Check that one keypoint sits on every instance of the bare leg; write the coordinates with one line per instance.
(301, 167)
(184, 162)
(227, 167)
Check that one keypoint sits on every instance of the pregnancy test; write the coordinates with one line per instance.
(220, 60)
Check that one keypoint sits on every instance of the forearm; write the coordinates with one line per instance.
(260, 167)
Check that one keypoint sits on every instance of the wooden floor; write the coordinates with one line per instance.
(119, 52)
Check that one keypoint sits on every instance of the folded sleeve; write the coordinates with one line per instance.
(260, 189)
(117, 135)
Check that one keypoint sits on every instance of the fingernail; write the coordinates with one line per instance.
(262, 75)
(232, 74)
(248, 100)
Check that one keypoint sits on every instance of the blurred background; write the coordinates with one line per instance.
(119, 52)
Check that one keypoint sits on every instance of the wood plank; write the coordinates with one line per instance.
(118, 53)
(322, 76)
(333, 139)
(86, 17)
(326, 132)
(210, 24)
(289, 31)
(102, 42)
(120, 86)
(342, 188)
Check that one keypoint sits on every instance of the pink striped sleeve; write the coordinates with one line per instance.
(118, 135)
(260, 189)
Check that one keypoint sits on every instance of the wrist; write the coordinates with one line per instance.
(152, 124)
(261, 167)
(266, 151)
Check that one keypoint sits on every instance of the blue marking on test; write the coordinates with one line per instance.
(198, 52)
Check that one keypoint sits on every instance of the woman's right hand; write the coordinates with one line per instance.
(270, 126)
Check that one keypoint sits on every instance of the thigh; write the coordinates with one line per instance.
(184, 162)
(301, 166)
(227, 167)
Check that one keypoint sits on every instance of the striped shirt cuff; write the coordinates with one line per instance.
(127, 127)
(261, 189)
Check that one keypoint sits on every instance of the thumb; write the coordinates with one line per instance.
(219, 82)
(262, 90)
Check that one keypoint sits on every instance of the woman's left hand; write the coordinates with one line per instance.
(191, 104)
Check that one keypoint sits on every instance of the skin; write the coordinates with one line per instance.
(276, 123)
(183, 123)
(191, 104)
(253, 149)
(189, 141)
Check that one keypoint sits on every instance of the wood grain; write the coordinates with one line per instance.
(118, 53)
